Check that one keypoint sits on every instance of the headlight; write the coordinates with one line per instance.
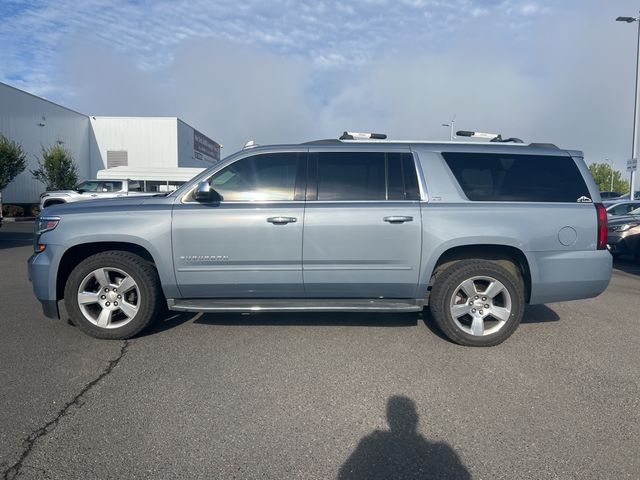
(44, 224)
(623, 228)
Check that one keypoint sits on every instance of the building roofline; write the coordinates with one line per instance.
(43, 99)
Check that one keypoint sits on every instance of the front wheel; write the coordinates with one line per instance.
(477, 302)
(113, 295)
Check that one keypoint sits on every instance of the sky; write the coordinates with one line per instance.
(284, 71)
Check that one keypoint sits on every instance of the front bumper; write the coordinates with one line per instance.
(42, 275)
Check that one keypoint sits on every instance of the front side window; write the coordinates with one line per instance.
(88, 187)
(517, 178)
(267, 177)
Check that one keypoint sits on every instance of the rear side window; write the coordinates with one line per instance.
(517, 178)
(358, 176)
(351, 176)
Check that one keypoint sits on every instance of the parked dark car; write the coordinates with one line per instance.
(624, 234)
(608, 195)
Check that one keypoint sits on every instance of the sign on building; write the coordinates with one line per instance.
(205, 145)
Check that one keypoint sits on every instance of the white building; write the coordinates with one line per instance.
(156, 146)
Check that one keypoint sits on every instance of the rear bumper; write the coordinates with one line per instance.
(561, 276)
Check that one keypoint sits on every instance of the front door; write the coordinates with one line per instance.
(248, 244)
(363, 228)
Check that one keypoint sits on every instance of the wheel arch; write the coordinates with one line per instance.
(77, 253)
(53, 201)
(503, 253)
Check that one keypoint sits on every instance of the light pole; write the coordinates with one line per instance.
(450, 125)
(634, 147)
(610, 162)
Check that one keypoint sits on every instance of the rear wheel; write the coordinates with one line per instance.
(113, 295)
(477, 302)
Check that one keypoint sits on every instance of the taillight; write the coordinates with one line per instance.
(602, 226)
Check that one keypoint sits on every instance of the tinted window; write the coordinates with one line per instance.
(365, 176)
(517, 178)
(261, 177)
(402, 180)
(351, 176)
(395, 177)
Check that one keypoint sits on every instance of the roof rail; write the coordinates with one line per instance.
(362, 136)
(543, 145)
(493, 137)
(326, 141)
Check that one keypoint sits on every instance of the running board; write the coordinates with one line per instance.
(295, 305)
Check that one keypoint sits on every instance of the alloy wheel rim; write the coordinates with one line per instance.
(480, 306)
(109, 297)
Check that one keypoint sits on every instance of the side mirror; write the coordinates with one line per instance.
(204, 193)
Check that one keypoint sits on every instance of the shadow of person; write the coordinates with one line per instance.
(402, 452)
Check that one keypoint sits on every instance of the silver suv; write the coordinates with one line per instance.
(475, 231)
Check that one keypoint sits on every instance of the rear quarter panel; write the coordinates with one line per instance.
(559, 240)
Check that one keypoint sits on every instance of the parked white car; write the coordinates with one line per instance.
(93, 190)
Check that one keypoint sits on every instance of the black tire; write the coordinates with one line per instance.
(147, 282)
(446, 285)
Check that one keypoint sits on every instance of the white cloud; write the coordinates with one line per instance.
(278, 73)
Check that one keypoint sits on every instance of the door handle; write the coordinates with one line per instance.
(281, 220)
(398, 219)
(94, 194)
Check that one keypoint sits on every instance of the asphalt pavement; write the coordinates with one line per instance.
(319, 396)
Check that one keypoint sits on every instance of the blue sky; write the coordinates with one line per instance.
(278, 71)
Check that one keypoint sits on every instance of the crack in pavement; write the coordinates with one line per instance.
(28, 443)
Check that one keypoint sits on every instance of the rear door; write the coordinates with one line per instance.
(362, 228)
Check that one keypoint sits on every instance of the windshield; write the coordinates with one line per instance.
(635, 211)
(88, 186)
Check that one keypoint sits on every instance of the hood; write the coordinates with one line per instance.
(108, 205)
(58, 193)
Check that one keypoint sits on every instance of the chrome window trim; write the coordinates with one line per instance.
(312, 202)
(384, 202)
(245, 202)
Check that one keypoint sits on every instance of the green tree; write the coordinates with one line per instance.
(12, 161)
(601, 173)
(57, 170)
